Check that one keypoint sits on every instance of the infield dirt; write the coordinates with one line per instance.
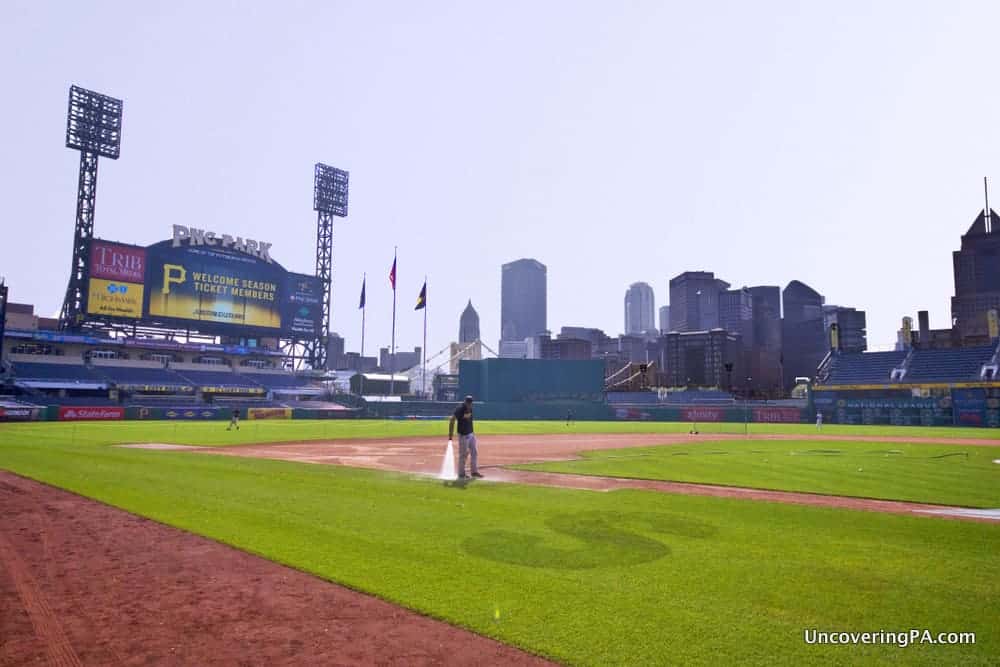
(423, 456)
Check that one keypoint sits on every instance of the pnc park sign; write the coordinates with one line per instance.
(191, 236)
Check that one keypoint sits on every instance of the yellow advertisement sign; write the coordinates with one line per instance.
(269, 413)
(113, 298)
(993, 323)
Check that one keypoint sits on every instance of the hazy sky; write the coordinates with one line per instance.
(841, 144)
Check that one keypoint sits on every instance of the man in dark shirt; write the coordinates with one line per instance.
(235, 420)
(466, 437)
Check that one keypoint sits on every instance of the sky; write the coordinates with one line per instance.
(840, 144)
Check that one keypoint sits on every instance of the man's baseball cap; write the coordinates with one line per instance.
(468, 399)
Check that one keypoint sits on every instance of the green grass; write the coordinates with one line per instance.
(627, 577)
(946, 475)
(214, 433)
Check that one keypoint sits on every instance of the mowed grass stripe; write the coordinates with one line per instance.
(945, 475)
(214, 433)
(587, 578)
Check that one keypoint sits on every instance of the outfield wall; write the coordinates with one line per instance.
(70, 412)
(924, 405)
(959, 406)
(494, 411)
(593, 411)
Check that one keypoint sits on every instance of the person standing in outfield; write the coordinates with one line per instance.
(234, 420)
(466, 437)
(819, 420)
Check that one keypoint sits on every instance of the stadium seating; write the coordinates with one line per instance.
(697, 396)
(954, 365)
(279, 381)
(217, 379)
(124, 375)
(58, 373)
(863, 367)
(164, 400)
(11, 402)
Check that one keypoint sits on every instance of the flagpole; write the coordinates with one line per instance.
(364, 306)
(392, 349)
(424, 371)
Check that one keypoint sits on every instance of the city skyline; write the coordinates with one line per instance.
(767, 131)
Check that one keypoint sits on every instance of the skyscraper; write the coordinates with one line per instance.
(977, 278)
(664, 319)
(852, 333)
(468, 345)
(765, 360)
(802, 332)
(694, 301)
(736, 313)
(640, 309)
(468, 325)
(334, 351)
(522, 300)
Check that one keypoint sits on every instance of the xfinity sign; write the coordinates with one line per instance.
(193, 237)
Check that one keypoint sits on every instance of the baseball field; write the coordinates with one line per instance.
(332, 542)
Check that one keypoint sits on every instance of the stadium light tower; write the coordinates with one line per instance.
(329, 199)
(93, 127)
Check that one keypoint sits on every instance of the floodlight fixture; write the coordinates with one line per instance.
(94, 123)
(330, 190)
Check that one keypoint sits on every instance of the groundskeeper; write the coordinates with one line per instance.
(466, 438)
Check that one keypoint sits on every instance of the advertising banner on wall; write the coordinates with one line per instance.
(269, 413)
(777, 415)
(190, 413)
(17, 414)
(87, 413)
(703, 414)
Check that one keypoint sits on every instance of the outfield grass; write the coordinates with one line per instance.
(628, 577)
(214, 433)
(946, 475)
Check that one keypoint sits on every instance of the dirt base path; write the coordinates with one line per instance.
(423, 456)
(82, 583)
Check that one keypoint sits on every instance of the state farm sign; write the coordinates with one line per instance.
(90, 414)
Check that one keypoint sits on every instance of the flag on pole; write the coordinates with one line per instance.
(422, 299)
(362, 303)
(392, 274)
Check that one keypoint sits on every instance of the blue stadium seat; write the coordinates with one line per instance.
(68, 373)
(274, 381)
(124, 375)
(217, 379)
(863, 367)
(954, 365)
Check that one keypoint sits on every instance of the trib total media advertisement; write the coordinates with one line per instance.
(204, 281)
